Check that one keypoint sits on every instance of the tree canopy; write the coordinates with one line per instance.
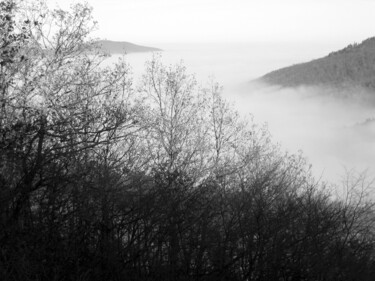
(102, 180)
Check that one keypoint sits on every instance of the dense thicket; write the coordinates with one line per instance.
(102, 181)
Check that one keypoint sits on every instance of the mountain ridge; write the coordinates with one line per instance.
(121, 47)
(352, 66)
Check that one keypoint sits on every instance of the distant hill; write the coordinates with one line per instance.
(353, 66)
(116, 47)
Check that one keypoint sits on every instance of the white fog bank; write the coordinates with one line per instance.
(331, 131)
(326, 128)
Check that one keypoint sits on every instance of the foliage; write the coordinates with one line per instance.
(101, 181)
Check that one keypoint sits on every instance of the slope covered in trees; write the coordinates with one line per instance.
(353, 66)
(101, 181)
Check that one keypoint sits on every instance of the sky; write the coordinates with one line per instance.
(183, 21)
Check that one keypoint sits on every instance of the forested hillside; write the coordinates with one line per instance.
(100, 180)
(353, 66)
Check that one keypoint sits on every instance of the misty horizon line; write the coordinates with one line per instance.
(233, 42)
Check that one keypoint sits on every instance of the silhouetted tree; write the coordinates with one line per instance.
(101, 181)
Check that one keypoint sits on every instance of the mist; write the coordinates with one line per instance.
(334, 133)
(329, 126)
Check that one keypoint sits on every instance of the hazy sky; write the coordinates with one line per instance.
(157, 21)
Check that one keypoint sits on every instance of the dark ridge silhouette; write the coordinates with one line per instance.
(119, 47)
(353, 66)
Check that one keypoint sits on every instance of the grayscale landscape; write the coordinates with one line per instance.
(331, 123)
(115, 47)
(166, 140)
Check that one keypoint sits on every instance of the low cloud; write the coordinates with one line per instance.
(334, 129)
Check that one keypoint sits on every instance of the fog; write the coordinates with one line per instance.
(327, 126)
(330, 131)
